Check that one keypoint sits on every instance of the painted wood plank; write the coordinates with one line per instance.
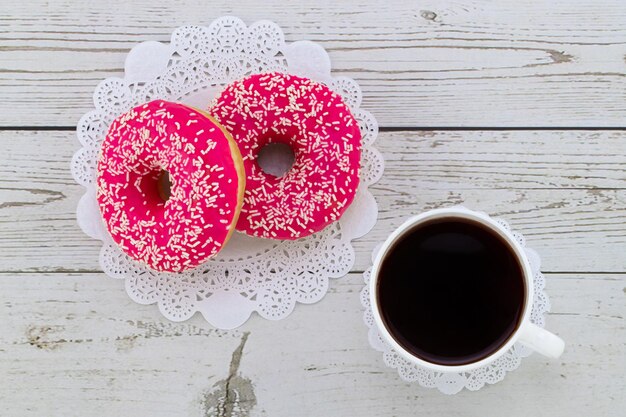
(564, 190)
(422, 63)
(76, 342)
(114, 363)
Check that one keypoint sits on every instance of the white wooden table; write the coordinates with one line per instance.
(517, 108)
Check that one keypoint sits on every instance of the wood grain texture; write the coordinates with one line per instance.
(566, 191)
(73, 344)
(76, 342)
(421, 63)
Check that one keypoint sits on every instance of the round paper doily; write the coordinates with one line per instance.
(453, 382)
(250, 274)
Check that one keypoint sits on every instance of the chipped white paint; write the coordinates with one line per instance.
(107, 356)
(566, 191)
(419, 63)
(72, 343)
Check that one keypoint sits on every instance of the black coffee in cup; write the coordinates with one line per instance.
(451, 291)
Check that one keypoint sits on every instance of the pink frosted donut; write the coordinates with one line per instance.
(324, 137)
(177, 224)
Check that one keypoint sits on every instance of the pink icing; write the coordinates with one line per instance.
(193, 224)
(325, 138)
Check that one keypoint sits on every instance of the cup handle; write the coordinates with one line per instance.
(542, 341)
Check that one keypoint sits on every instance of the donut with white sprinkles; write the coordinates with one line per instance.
(326, 142)
(170, 185)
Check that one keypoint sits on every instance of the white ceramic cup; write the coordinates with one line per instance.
(527, 333)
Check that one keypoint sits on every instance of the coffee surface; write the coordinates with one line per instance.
(451, 291)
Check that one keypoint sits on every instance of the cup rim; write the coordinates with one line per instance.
(452, 212)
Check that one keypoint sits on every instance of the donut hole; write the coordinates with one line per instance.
(276, 158)
(164, 186)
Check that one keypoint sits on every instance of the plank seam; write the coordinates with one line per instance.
(393, 128)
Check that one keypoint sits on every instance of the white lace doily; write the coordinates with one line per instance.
(453, 382)
(250, 274)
